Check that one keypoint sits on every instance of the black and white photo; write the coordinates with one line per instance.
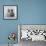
(10, 12)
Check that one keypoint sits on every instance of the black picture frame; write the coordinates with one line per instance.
(15, 7)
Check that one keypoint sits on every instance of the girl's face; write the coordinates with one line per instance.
(8, 10)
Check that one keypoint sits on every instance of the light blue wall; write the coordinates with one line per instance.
(7, 26)
(33, 11)
(29, 12)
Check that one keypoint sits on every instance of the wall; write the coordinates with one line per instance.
(33, 12)
(7, 26)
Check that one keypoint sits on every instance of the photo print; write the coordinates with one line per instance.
(10, 12)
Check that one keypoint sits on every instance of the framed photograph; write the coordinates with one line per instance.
(10, 12)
